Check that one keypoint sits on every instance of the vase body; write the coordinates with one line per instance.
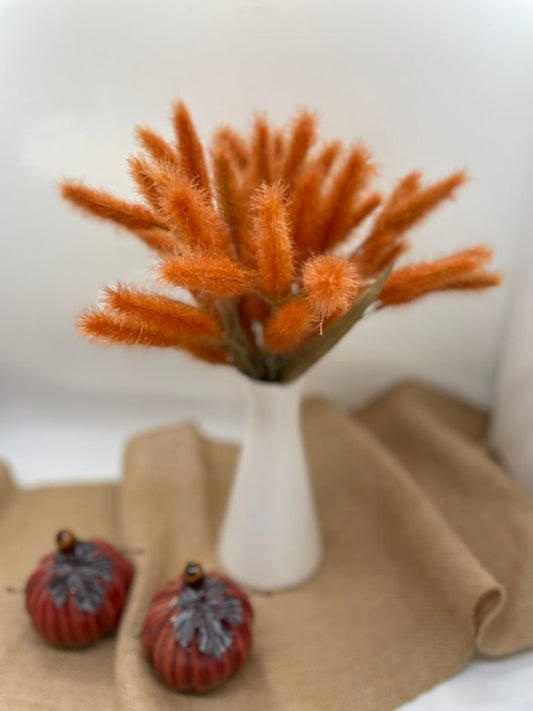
(270, 536)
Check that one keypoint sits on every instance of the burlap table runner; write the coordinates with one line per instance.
(429, 558)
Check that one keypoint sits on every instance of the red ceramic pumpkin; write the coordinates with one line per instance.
(77, 593)
(198, 630)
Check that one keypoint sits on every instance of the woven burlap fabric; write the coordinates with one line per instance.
(428, 559)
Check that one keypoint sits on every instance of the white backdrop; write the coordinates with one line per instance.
(430, 84)
(512, 423)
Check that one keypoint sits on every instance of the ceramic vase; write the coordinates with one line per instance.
(270, 536)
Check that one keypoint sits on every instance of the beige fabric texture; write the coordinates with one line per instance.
(428, 560)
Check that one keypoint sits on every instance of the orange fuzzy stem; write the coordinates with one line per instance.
(306, 201)
(407, 205)
(364, 208)
(304, 210)
(218, 276)
(143, 176)
(384, 249)
(228, 139)
(187, 322)
(337, 210)
(192, 217)
(159, 240)
(272, 243)
(112, 328)
(278, 153)
(476, 281)
(229, 196)
(107, 207)
(327, 156)
(414, 208)
(161, 178)
(261, 152)
(302, 138)
(96, 324)
(406, 187)
(278, 144)
(411, 282)
(156, 146)
(191, 152)
(288, 326)
(331, 284)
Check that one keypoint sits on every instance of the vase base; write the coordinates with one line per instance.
(271, 584)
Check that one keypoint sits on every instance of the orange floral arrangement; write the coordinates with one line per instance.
(275, 241)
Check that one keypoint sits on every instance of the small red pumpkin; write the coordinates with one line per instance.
(198, 630)
(77, 593)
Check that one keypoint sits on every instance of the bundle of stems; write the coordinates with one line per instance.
(274, 240)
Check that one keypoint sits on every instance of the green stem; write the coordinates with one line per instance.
(307, 355)
(237, 341)
(264, 298)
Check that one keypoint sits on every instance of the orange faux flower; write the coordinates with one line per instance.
(272, 245)
(330, 283)
(218, 276)
(191, 154)
(278, 239)
(461, 270)
(288, 325)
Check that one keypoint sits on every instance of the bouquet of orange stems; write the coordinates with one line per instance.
(275, 241)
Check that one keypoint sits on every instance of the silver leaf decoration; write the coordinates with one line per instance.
(82, 572)
(203, 611)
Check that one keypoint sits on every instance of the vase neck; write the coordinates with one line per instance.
(272, 399)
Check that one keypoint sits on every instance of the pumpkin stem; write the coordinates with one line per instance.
(193, 575)
(66, 541)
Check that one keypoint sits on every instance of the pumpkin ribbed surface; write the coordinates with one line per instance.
(76, 597)
(197, 638)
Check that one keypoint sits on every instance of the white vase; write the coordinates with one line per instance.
(270, 536)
